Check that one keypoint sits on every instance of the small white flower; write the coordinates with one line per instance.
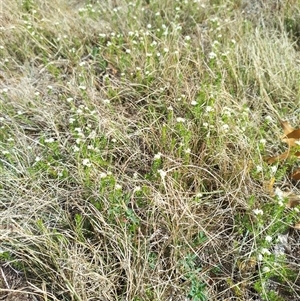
(266, 269)
(49, 140)
(82, 64)
(259, 168)
(268, 118)
(180, 119)
(149, 26)
(263, 141)
(193, 103)
(86, 162)
(205, 124)
(279, 194)
(170, 108)
(82, 88)
(128, 51)
(209, 109)
(37, 159)
(225, 127)
(166, 49)
(162, 173)
(5, 152)
(258, 211)
(157, 156)
(71, 120)
(137, 188)
(76, 148)
(273, 169)
(118, 187)
(4, 90)
(212, 55)
(50, 87)
(188, 151)
(259, 257)
(103, 175)
(69, 99)
(268, 238)
(187, 38)
(265, 251)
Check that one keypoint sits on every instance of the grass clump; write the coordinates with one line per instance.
(132, 138)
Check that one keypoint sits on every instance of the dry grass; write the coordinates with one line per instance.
(132, 138)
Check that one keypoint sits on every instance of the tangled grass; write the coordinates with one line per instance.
(132, 138)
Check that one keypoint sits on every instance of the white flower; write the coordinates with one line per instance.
(137, 188)
(188, 151)
(273, 169)
(187, 38)
(259, 168)
(118, 187)
(103, 175)
(199, 195)
(180, 119)
(205, 124)
(76, 148)
(166, 49)
(162, 173)
(268, 118)
(265, 251)
(259, 257)
(86, 162)
(225, 127)
(209, 109)
(71, 120)
(266, 269)
(157, 156)
(268, 238)
(279, 194)
(69, 99)
(37, 159)
(49, 140)
(82, 87)
(212, 55)
(258, 211)
(263, 141)
(193, 103)
(50, 87)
